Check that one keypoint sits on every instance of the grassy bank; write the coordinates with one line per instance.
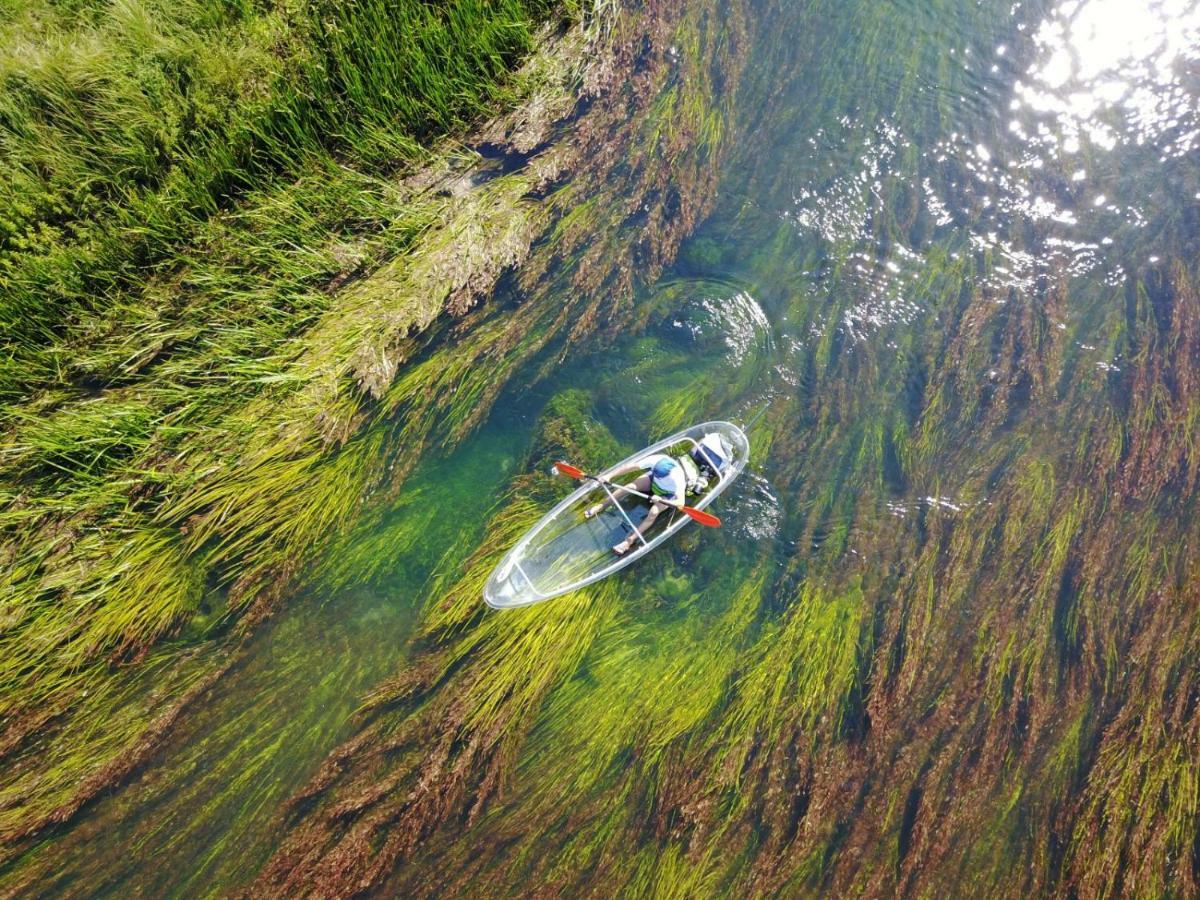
(231, 224)
(127, 127)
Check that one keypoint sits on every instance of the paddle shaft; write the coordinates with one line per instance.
(697, 514)
(621, 487)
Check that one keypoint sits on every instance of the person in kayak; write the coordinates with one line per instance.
(663, 478)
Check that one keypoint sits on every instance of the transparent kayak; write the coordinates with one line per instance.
(564, 551)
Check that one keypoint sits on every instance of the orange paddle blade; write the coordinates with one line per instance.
(702, 517)
(568, 469)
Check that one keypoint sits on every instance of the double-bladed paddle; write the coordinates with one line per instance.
(698, 514)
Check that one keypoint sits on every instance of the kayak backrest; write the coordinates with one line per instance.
(712, 453)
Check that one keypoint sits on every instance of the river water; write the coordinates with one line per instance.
(922, 270)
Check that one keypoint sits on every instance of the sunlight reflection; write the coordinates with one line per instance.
(1079, 96)
(1106, 60)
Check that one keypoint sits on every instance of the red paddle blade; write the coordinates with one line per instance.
(568, 469)
(702, 517)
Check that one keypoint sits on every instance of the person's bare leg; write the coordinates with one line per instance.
(642, 485)
(647, 523)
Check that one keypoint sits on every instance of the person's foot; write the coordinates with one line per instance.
(622, 548)
(593, 510)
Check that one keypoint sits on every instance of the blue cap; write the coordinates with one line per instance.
(662, 483)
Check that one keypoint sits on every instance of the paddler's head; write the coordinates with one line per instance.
(662, 479)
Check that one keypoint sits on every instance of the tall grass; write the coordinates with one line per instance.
(209, 228)
(125, 126)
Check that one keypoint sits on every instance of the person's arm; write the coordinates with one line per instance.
(608, 497)
(625, 470)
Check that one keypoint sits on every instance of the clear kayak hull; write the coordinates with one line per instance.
(564, 551)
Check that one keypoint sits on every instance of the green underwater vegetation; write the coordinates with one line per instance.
(325, 352)
(254, 435)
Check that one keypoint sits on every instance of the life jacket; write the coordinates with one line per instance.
(691, 473)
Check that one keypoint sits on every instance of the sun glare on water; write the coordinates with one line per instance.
(1113, 70)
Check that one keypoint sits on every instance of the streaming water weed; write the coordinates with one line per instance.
(933, 681)
(943, 642)
(210, 281)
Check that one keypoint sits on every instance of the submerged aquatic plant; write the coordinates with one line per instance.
(258, 435)
(962, 659)
(973, 669)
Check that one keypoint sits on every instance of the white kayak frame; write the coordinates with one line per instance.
(500, 594)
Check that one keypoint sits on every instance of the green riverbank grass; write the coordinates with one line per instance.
(201, 267)
(127, 126)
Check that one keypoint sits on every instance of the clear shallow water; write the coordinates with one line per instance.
(196, 816)
(205, 812)
(900, 167)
